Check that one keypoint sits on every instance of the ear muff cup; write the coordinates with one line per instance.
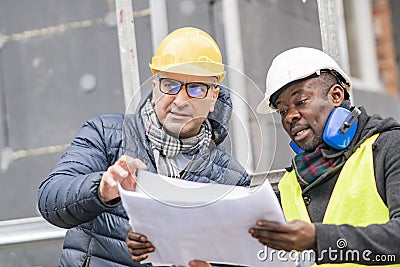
(295, 148)
(341, 127)
(339, 131)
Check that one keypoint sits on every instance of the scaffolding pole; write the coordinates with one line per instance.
(158, 22)
(128, 54)
(333, 33)
(328, 21)
(242, 147)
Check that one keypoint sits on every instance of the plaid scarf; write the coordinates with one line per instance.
(309, 166)
(166, 147)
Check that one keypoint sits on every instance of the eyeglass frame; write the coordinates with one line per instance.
(208, 85)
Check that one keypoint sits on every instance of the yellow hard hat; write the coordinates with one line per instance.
(189, 51)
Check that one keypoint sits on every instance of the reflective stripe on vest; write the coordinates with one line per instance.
(355, 199)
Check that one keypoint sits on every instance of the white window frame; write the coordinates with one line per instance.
(363, 49)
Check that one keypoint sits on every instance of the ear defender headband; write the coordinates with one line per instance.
(340, 129)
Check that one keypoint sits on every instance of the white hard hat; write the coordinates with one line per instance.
(296, 64)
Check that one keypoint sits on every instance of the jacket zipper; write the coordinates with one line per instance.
(86, 261)
(187, 167)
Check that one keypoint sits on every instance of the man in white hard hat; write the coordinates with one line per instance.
(341, 194)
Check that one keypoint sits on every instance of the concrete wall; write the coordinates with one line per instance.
(50, 47)
(40, 77)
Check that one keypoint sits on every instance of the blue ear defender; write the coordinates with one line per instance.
(339, 131)
(341, 127)
(295, 148)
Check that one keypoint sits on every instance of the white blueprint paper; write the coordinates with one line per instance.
(187, 220)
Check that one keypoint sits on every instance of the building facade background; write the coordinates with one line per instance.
(59, 66)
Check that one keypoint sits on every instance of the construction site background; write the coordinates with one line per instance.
(60, 65)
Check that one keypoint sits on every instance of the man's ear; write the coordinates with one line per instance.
(214, 98)
(336, 95)
(153, 86)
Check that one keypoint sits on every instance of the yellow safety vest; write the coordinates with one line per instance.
(355, 199)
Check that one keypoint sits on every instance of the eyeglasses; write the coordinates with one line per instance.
(193, 89)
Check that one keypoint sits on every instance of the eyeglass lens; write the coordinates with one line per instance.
(194, 89)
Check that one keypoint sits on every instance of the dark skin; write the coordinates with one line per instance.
(138, 246)
(304, 108)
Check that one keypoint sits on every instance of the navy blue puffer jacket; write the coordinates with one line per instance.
(68, 198)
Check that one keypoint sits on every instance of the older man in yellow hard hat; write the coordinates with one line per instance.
(183, 116)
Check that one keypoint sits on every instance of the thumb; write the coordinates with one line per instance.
(128, 183)
(199, 263)
(135, 163)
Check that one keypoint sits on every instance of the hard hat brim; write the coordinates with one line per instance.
(264, 108)
(206, 69)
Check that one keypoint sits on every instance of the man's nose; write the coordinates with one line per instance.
(292, 115)
(182, 97)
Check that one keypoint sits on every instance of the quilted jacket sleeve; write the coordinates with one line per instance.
(68, 197)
